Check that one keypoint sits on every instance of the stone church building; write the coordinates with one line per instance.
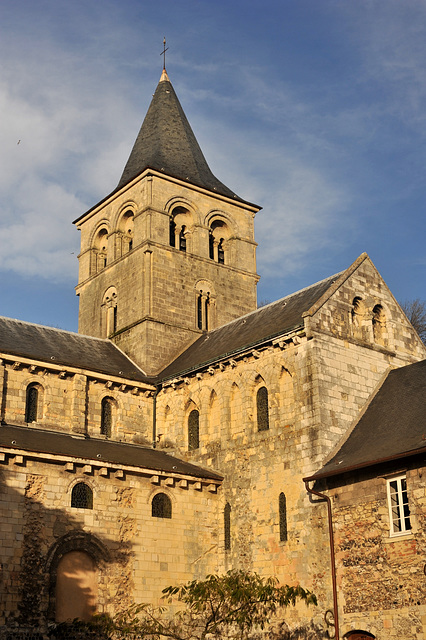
(183, 431)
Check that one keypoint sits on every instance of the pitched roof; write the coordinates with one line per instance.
(254, 328)
(53, 443)
(167, 143)
(66, 348)
(393, 426)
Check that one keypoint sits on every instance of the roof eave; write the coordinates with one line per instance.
(364, 465)
(148, 171)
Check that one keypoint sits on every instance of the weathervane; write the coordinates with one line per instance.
(163, 53)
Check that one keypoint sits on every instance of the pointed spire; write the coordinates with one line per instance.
(167, 143)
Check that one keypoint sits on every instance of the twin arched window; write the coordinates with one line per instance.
(364, 320)
(177, 228)
(217, 238)
(203, 308)
(121, 246)
(161, 506)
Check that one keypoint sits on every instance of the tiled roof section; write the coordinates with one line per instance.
(167, 143)
(256, 327)
(393, 426)
(50, 442)
(65, 348)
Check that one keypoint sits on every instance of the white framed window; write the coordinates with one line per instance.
(399, 509)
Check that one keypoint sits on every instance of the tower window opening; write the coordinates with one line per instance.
(182, 239)
(200, 311)
(211, 246)
(206, 312)
(82, 496)
(172, 233)
(220, 252)
(161, 506)
(114, 319)
(193, 430)
(109, 312)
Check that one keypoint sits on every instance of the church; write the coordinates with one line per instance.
(184, 431)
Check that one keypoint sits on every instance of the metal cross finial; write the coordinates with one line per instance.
(163, 53)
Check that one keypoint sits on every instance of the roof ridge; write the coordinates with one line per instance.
(270, 304)
(46, 326)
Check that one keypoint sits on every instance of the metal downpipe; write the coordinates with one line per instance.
(323, 496)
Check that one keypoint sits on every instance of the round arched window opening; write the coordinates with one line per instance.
(82, 496)
(161, 506)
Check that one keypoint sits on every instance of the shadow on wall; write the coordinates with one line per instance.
(53, 569)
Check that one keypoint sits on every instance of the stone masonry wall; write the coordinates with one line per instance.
(381, 579)
(158, 284)
(70, 401)
(137, 555)
(317, 385)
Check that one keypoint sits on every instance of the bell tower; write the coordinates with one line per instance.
(170, 253)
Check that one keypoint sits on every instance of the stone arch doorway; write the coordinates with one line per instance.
(76, 565)
(76, 587)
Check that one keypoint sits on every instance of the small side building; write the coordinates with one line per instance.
(377, 486)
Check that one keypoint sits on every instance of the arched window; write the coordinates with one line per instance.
(358, 634)
(227, 526)
(107, 409)
(203, 310)
(109, 311)
(161, 506)
(262, 409)
(82, 496)
(126, 229)
(100, 247)
(33, 402)
(379, 324)
(180, 219)
(218, 234)
(193, 430)
(282, 513)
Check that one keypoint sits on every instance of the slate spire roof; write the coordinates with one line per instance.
(166, 143)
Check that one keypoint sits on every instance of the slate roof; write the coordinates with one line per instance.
(42, 441)
(254, 328)
(392, 427)
(167, 144)
(66, 348)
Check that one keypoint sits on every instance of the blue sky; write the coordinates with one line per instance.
(314, 110)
